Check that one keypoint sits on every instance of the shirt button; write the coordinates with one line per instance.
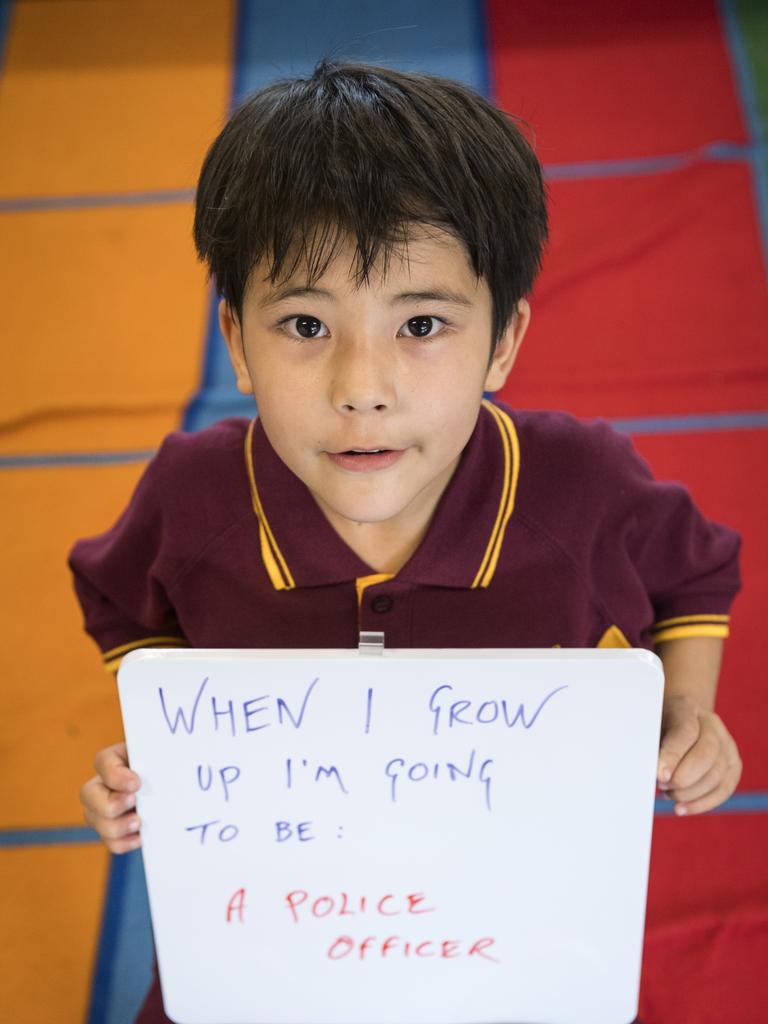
(382, 603)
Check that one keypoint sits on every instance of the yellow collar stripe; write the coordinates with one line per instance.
(680, 632)
(702, 618)
(114, 657)
(511, 448)
(363, 582)
(274, 563)
(613, 637)
(146, 641)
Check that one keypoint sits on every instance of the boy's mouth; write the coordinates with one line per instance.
(365, 459)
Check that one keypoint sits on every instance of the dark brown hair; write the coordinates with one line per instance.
(364, 152)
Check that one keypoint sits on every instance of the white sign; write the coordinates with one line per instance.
(434, 837)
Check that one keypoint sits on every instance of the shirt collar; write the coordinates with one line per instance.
(300, 548)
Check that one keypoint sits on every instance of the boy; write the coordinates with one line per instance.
(373, 235)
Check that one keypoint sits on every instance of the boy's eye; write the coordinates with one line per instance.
(421, 326)
(305, 326)
(309, 327)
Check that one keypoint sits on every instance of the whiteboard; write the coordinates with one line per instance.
(435, 837)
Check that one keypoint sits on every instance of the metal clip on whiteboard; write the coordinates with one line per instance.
(371, 643)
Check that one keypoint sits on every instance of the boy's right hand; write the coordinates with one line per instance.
(109, 799)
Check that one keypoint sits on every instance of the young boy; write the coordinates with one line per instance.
(373, 235)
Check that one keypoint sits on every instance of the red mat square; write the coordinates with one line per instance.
(707, 937)
(607, 79)
(708, 864)
(726, 474)
(652, 298)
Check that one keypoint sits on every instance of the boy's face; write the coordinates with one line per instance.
(370, 394)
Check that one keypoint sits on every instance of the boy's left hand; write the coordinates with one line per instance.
(699, 764)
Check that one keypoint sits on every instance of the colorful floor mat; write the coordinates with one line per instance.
(652, 310)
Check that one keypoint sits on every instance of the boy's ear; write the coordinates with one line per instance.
(505, 353)
(233, 336)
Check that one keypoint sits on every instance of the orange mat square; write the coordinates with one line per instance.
(105, 97)
(51, 914)
(108, 342)
(60, 706)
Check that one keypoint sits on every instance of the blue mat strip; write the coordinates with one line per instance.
(65, 835)
(686, 424)
(739, 803)
(24, 204)
(5, 24)
(716, 152)
(123, 968)
(110, 929)
(753, 801)
(691, 423)
(48, 459)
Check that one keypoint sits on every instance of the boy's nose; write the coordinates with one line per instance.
(362, 379)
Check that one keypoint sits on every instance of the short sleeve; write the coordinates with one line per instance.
(119, 576)
(688, 565)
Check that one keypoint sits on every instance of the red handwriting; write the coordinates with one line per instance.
(372, 946)
(305, 906)
(236, 906)
(344, 905)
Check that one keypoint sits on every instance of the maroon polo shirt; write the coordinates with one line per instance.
(551, 532)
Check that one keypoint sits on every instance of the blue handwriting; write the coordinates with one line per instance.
(227, 775)
(467, 712)
(398, 771)
(243, 716)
